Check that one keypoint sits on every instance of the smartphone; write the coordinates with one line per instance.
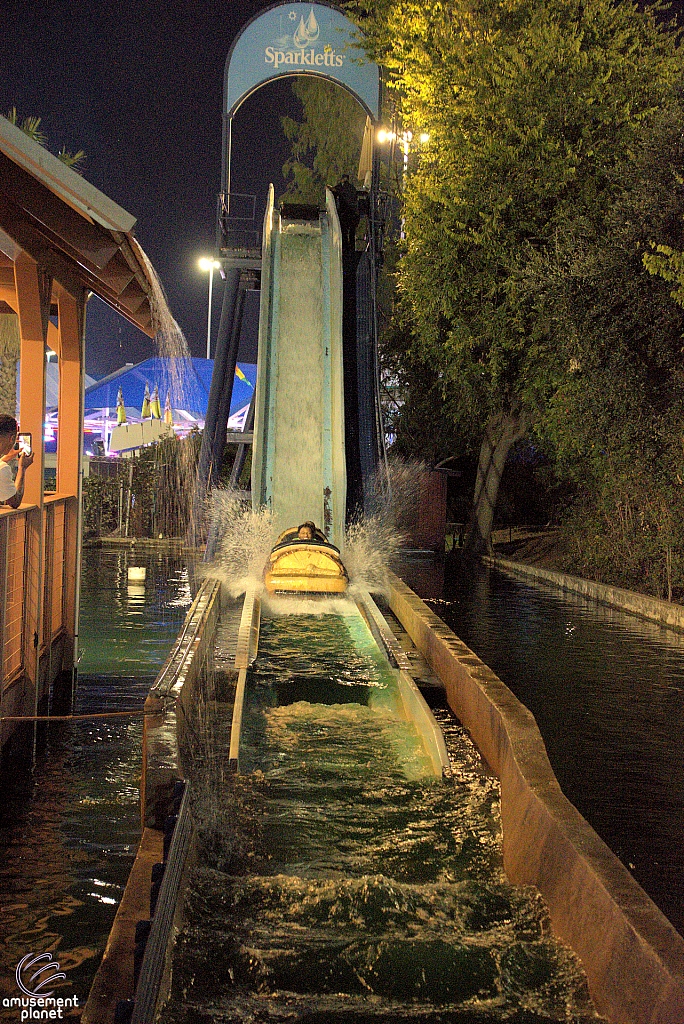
(24, 442)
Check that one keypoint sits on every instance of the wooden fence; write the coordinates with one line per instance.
(37, 597)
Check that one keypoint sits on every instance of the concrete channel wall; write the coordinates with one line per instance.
(637, 604)
(167, 707)
(633, 957)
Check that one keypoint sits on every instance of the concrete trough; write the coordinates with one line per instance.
(633, 957)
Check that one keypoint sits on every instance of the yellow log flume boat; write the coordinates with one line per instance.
(303, 561)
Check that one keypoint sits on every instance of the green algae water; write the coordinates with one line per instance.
(337, 880)
(69, 828)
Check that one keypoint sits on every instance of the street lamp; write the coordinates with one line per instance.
(211, 266)
(403, 139)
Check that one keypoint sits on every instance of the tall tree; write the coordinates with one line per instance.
(326, 143)
(536, 110)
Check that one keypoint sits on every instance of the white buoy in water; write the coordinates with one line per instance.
(137, 572)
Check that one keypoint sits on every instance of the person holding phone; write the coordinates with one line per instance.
(11, 491)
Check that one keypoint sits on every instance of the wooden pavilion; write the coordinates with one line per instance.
(61, 240)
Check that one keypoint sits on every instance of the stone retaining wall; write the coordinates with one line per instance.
(633, 957)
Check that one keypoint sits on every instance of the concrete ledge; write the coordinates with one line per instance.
(170, 702)
(633, 957)
(638, 604)
(114, 978)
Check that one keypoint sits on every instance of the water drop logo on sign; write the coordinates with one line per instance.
(300, 38)
(298, 49)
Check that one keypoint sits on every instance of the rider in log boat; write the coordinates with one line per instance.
(304, 561)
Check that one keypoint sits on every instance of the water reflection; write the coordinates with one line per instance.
(607, 690)
(69, 830)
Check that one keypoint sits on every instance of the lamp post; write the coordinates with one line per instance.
(211, 266)
(404, 138)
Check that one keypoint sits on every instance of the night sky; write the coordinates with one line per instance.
(139, 88)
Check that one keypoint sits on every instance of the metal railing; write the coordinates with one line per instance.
(236, 225)
(54, 523)
(13, 534)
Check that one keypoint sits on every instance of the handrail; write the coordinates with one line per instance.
(7, 510)
(38, 624)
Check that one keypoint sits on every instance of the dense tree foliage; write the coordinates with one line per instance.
(326, 143)
(10, 347)
(613, 422)
(554, 138)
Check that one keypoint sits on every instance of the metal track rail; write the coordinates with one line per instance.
(245, 655)
(168, 677)
(415, 707)
(154, 965)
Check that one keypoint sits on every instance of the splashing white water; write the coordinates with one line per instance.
(369, 549)
(245, 538)
(275, 605)
(244, 541)
(168, 336)
(172, 347)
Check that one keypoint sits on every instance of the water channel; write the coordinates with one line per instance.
(607, 691)
(605, 687)
(69, 830)
(338, 880)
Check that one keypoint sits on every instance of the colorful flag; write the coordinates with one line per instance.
(120, 409)
(145, 412)
(155, 408)
(168, 412)
(241, 376)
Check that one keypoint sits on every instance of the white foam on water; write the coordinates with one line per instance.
(274, 605)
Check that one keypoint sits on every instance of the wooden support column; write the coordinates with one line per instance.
(71, 361)
(70, 356)
(33, 287)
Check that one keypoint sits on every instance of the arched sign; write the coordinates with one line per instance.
(300, 39)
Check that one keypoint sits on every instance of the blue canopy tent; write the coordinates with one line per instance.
(187, 381)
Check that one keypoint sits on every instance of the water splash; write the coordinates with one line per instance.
(244, 540)
(373, 542)
(370, 547)
(172, 346)
(335, 882)
(278, 604)
(168, 336)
